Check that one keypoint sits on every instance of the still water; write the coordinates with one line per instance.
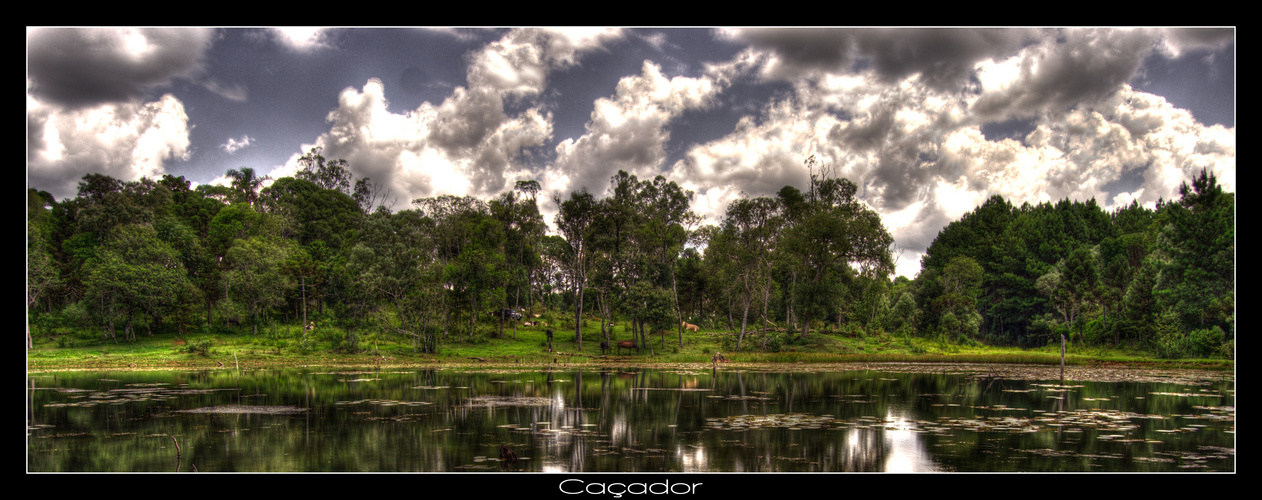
(621, 420)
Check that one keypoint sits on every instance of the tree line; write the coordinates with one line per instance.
(324, 248)
(1162, 279)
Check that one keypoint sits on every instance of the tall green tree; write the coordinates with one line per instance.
(575, 222)
(246, 184)
(1198, 245)
(745, 243)
(134, 273)
(831, 231)
(257, 276)
(1070, 287)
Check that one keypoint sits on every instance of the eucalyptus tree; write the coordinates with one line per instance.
(328, 174)
(550, 277)
(575, 222)
(831, 230)
(623, 264)
(746, 242)
(663, 230)
(470, 244)
(336, 175)
(518, 213)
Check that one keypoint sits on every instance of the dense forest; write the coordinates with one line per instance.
(156, 256)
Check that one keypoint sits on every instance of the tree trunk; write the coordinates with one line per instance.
(304, 301)
(744, 320)
(679, 317)
(578, 317)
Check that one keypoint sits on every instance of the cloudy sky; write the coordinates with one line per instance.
(928, 122)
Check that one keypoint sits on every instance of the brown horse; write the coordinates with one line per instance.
(627, 344)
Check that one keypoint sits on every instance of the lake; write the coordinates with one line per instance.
(884, 418)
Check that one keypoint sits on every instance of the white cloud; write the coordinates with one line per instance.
(921, 160)
(466, 145)
(235, 144)
(302, 38)
(629, 130)
(236, 93)
(518, 64)
(123, 140)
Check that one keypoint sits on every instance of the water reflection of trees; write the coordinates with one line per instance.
(617, 420)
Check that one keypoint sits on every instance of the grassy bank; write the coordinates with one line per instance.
(286, 345)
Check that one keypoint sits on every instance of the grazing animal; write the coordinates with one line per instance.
(234, 322)
(690, 326)
(604, 346)
(627, 344)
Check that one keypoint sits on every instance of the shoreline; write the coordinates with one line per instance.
(1085, 372)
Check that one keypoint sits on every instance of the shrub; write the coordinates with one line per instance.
(1206, 342)
(306, 344)
(773, 341)
(1228, 349)
(199, 347)
(348, 344)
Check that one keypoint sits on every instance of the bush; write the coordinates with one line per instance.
(1206, 342)
(773, 341)
(306, 344)
(199, 347)
(348, 344)
(1228, 349)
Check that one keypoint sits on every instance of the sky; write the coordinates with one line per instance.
(927, 122)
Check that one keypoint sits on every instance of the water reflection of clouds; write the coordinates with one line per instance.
(692, 459)
(904, 450)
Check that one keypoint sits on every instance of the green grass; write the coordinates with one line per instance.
(279, 345)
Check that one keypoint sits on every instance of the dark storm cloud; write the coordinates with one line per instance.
(466, 118)
(79, 67)
(1087, 66)
(866, 135)
(1199, 38)
(902, 173)
(943, 57)
(802, 50)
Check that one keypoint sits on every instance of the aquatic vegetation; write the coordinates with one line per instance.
(243, 409)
